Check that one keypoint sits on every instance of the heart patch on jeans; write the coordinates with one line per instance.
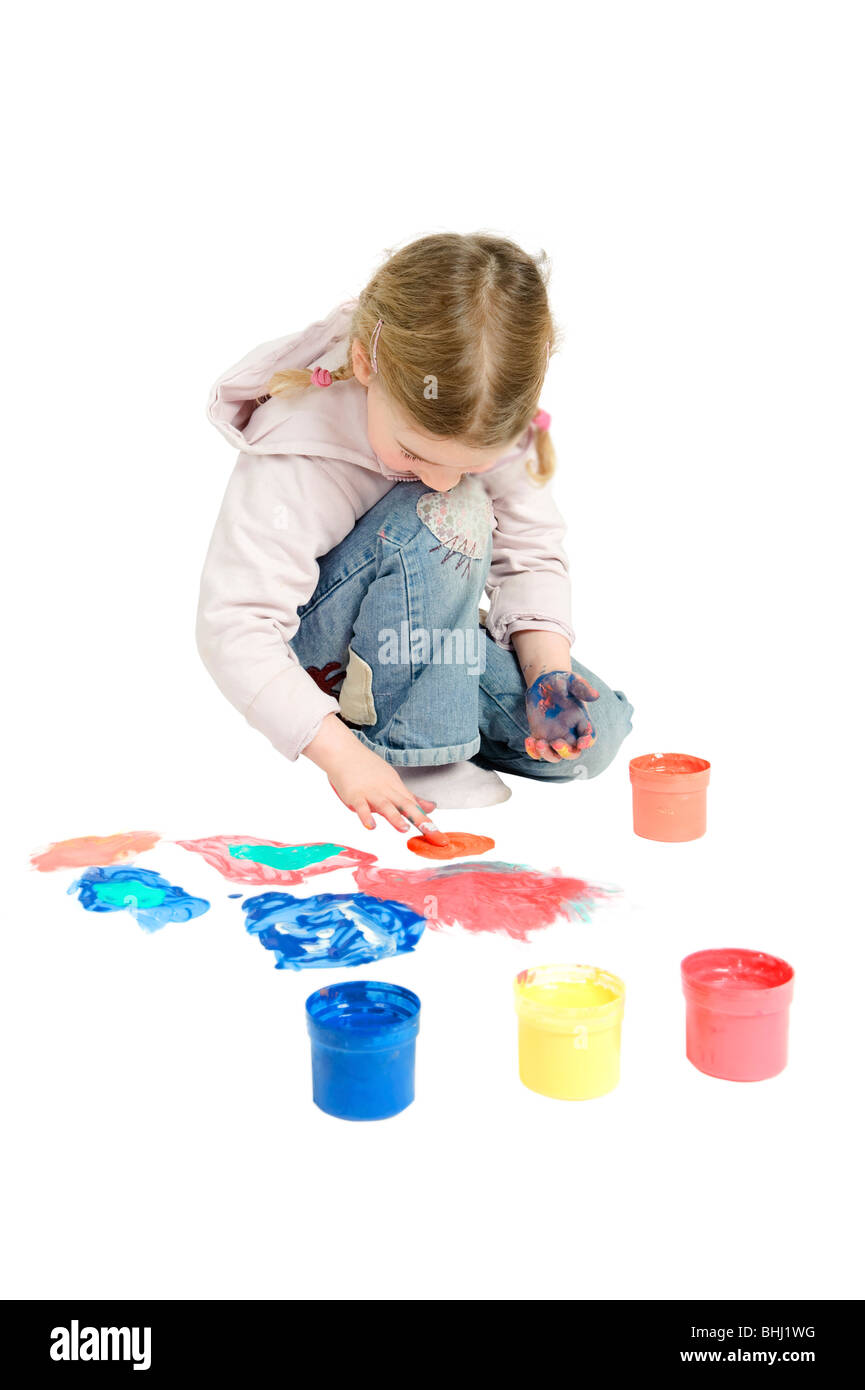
(460, 520)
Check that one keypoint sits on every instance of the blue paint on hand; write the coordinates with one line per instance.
(150, 898)
(331, 929)
(557, 716)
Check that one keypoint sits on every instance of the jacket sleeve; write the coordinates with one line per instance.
(529, 584)
(278, 515)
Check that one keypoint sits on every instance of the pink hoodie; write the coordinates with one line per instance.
(305, 473)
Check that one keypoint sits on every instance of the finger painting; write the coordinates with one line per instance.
(331, 929)
(460, 844)
(384, 917)
(93, 849)
(509, 899)
(246, 859)
(150, 899)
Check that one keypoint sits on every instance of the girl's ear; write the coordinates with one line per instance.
(360, 362)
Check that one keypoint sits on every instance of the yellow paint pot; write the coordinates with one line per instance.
(570, 1025)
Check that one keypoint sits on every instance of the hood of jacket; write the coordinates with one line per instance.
(329, 422)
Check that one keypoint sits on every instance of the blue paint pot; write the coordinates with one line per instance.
(363, 1037)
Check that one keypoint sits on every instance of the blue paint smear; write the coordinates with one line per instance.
(331, 929)
(150, 898)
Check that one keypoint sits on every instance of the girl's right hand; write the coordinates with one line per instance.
(365, 783)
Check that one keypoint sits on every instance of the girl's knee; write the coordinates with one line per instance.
(611, 722)
(450, 532)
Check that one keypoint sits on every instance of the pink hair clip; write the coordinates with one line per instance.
(374, 345)
(542, 420)
(321, 377)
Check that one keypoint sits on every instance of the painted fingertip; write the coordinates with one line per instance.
(432, 833)
(590, 692)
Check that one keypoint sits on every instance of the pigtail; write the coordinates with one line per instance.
(542, 467)
(286, 383)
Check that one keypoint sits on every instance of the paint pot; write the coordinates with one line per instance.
(669, 793)
(570, 1027)
(363, 1042)
(737, 1013)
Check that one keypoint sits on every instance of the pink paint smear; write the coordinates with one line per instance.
(509, 899)
(90, 850)
(216, 850)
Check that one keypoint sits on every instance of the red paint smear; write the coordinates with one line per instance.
(215, 850)
(508, 900)
(459, 843)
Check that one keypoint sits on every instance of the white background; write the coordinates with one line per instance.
(189, 181)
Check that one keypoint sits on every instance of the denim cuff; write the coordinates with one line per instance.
(421, 757)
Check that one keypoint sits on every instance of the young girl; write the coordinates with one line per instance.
(393, 466)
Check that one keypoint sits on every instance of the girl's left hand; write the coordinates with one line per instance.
(558, 723)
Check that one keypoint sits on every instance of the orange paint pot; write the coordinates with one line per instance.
(669, 792)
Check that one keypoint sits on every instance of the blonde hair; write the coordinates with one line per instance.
(465, 340)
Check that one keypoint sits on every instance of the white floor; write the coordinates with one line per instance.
(162, 1137)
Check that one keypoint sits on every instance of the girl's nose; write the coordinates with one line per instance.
(442, 479)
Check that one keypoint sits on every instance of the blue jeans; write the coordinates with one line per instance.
(392, 629)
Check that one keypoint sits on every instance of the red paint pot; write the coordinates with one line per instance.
(669, 792)
(737, 1013)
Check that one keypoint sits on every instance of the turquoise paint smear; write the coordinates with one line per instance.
(149, 897)
(286, 857)
(119, 894)
(241, 858)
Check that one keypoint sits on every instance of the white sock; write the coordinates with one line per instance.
(456, 786)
